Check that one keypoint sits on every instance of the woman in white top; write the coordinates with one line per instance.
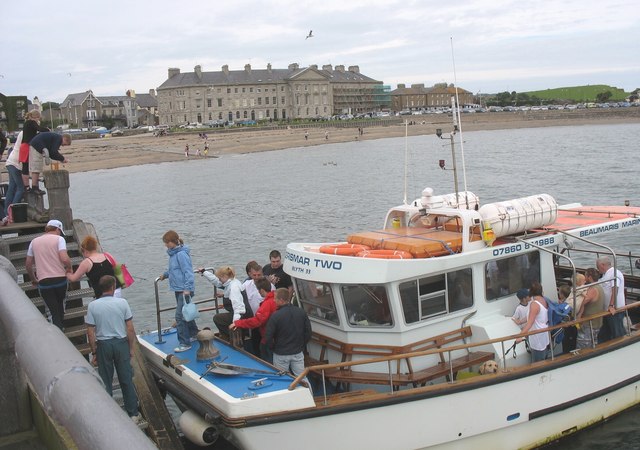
(233, 300)
(538, 319)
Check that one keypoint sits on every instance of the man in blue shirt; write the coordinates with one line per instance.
(111, 337)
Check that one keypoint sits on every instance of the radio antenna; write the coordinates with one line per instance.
(456, 114)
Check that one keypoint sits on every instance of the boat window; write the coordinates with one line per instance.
(317, 300)
(367, 305)
(460, 289)
(436, 295)
(503, 277)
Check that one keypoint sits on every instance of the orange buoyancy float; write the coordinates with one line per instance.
(385, 254)
(344, 249)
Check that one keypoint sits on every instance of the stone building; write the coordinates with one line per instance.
(85, 109)
(419, 97)
(265, 94)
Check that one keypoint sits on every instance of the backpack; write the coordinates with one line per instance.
(558, 313)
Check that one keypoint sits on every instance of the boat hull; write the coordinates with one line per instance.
(521, 407)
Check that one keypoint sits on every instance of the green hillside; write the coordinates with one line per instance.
(580, 93)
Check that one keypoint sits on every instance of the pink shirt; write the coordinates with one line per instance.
(44, 249)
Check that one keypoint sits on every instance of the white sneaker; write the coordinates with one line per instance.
(182, 348)
(136, 419)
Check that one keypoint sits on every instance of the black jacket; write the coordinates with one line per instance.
(288, 330)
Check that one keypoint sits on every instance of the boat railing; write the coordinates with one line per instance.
(160, 310)
(506, 344)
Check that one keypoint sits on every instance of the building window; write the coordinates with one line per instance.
(306, 87)
(208, 103)
(266, 100)
(220, 115)
(237, 114)
(259, 100)
(244, 90)
(244, 114)
(258, 90)
(281, 88)
(282, 100)
(275, 100)
(235, 90)
(250, 89)
(267, 113)
(219, 102)
(228, 90)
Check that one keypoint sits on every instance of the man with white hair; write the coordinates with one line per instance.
(612, 326)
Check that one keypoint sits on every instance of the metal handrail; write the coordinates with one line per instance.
(400, 356)
(160, 310)
(57, 373)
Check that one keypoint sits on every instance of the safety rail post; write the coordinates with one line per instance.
(504, 356)
(390, 375)
(450, 367)
(158, 319)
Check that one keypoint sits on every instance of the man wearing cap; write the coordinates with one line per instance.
(49, 253)
(522, 310)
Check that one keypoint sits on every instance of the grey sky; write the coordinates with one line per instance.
(51, 49)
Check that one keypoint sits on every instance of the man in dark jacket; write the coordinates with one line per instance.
(288, 331)
(45, 144)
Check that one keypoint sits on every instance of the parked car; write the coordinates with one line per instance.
(116, 132)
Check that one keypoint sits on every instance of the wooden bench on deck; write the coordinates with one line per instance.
(397, 378)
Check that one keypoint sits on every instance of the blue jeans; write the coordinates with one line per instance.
(538, 355)
(292, 363)
(612, 327)
(115, 352)
(15, 191)
(186, 330)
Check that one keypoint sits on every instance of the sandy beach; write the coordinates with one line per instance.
(121, 151)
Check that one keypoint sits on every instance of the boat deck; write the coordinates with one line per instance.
(238, 385)
(584, 216)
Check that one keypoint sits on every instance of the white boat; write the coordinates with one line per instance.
(402, 318)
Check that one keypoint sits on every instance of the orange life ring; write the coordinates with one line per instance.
(385, 254)
(344, 249)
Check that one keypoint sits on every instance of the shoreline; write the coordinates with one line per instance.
(123, 151)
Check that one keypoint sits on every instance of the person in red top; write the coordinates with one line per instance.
(261, 317)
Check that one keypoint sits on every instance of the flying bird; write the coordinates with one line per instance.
(309, 35)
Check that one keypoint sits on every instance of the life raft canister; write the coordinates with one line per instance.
(344, 249)
(385, 254)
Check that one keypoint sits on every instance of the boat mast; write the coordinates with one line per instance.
(406, 158)
(457, 111)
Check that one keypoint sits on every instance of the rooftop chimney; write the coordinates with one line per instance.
(152, 92)
(198, 70)
(247, 68)
(313, 66)
(340, 69)
(173, 71)
(401, 86)
(327, 67)
(354, 69)
(269, 67)
(293, 66)
(225, 69)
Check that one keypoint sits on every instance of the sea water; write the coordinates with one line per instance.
(237, 208)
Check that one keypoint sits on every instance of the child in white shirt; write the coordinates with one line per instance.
(522, 310)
